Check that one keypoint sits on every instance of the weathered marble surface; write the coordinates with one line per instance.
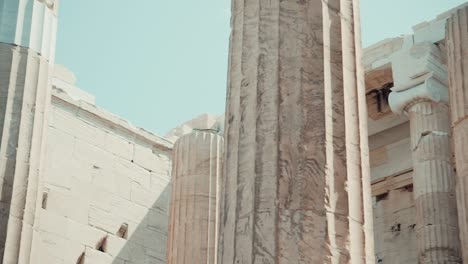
(297, 186)
(457, 41)
(196, 175)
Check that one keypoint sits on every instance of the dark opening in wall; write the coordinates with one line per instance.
(381, 96)
(381, 197)
(45, 196)
(123, 231)
(379, 82)
(102, 245)
(408, 188)
(396, 228)
(81, 259)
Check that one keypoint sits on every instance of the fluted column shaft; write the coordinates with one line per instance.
(196, 172)
(27, 44)
(434, 183)
(296, 184)
(457, 43)
(420, 92)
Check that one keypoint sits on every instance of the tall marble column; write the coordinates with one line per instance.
(196, 172)
(457, 43)
(27, 44)
(421, 93)
(297, 187)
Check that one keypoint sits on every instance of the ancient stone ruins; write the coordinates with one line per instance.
(327, 153)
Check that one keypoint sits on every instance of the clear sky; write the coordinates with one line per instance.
(159, 63)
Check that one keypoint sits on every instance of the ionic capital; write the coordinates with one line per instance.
(431, 90)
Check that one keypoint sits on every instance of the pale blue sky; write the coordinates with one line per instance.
(159, 63)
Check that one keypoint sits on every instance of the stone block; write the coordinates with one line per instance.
(73, 251)
(163, 165)
(84, 234)
(79, 128)
(125, 168)
(432, 32)
(104, 221)
(105, 179)
(51, 248)
(119, 146)
(94, 195)
(70, 206)
(49, 259)
(155, 257)
(59, 159)
(53, 223)
(136, 232)
(395, 158)
(395, 240)
(157, 178)
(159, 184)
(93, 256)
(126, 209)
(129, 251)
(157, 220)
(155, 241)
(115, 246)
(93, 155)
(133, 253)
(145, 158)
(143, 196)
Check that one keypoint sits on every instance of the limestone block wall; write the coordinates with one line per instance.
(106, 189)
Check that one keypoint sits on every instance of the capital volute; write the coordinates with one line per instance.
(431, 90)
